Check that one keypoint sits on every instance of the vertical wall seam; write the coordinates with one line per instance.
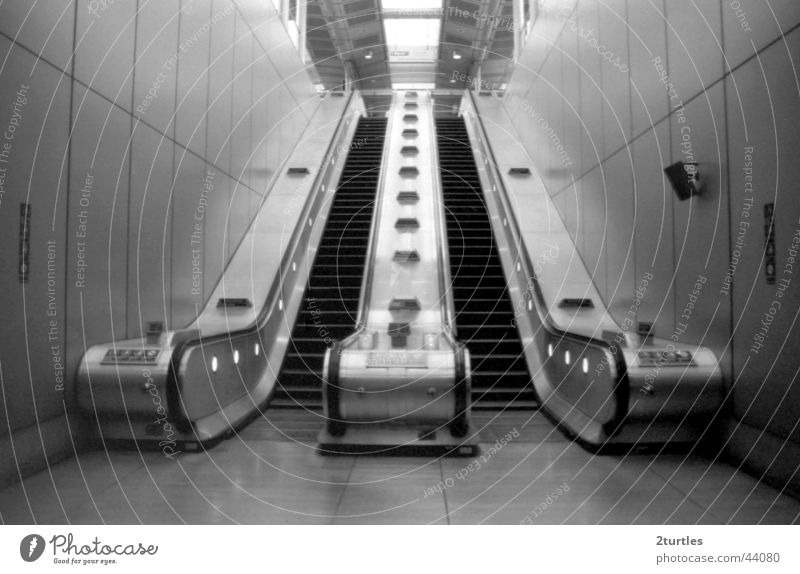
(70, 124)
(132, 124)
(237, 17)
(604, 252)
(174, 146)
(674, 286)
(211, 6)
(253, 114)
(582, 195)
(171, 203)
(725, 73)
(629, 137)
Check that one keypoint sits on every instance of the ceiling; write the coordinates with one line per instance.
(352, 34)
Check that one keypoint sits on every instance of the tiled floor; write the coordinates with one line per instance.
(270, 473)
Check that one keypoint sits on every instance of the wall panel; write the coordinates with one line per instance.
(592, 147)
(194, 223)
(196, 24)
(709, 118)
(620, 248)
(97, 223)
(33, 172)
(150, 229)
(594, 204)
(648, 50)
(243, 49)
(762, 128)
(694, 37)
(653, 227)
(158, 59)
(615, 71)
(45, 28)
(104, 54)
(220, 89)
(120, 199)
(701, 225)
(750, 25)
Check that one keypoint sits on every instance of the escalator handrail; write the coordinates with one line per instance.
(621, 385)
(445, 279)
(372, 244)
(270, 186)
(448, 306)
(276, 287)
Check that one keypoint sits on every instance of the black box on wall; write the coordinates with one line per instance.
(684, 178)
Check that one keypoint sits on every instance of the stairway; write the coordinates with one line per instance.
(484, 313)
(330, 304)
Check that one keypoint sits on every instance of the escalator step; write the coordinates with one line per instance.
(484, 312)
(330, 303)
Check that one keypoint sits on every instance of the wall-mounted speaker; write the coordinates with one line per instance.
(684, 178)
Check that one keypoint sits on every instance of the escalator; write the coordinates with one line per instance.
(484, 313)
(330, 304)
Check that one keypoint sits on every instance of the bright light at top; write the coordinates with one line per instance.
(414, 86)
(412, 31)
(411, 4)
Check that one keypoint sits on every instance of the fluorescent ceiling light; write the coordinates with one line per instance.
(412, 31)
(413, 86)
(411, 4)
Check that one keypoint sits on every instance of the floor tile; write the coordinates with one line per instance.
(271, 473)
(387, 490)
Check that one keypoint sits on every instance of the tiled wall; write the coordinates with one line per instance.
(597, 73)
(137, 119)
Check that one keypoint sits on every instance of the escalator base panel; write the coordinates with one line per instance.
(385, 440)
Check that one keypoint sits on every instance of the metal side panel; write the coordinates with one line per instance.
(602, 382)
(402, 368)
(194, 385)
(253, 268)
(562, 273)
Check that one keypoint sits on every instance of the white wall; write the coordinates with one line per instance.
(112, 103)
(588, 71)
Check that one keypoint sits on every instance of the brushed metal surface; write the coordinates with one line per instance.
(587, 369)
(226, 360)
(401, 366)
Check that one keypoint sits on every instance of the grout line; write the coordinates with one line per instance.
(444, 494)
(344, 491)
(96, 492)
(686, 497)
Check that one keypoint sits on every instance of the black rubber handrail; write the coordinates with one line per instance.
(173, 383)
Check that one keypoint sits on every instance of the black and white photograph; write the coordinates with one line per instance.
(520, 266)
